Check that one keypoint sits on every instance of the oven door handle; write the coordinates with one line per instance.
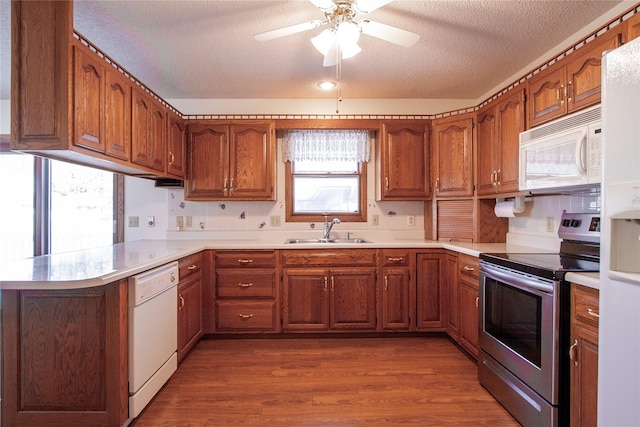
(517, 280)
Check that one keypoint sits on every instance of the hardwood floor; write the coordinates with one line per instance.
(408, 381)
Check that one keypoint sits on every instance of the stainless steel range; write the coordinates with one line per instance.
(524, 323)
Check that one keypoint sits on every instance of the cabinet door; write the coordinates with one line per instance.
(117, 115)
(396, 298)
(207, 157)
(430, 313)
(453, 157)
(189, 314)
(546, 95)
(511, 121)
(252, 162)
(305, 300)
(157, 143)
(89, 92)
(176, 146)
(404, 162)
(632, 28)
(141, 127)
(353, 299)
(584, 72)
(486, 164)
(584, 378)
(469, 316)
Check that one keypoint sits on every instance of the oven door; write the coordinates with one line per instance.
(519, 326)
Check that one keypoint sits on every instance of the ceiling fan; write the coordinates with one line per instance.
(340, 40)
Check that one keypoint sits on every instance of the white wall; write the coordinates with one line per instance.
(142, 199)
(5, 117)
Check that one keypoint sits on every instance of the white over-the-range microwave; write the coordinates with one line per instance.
(564, 155)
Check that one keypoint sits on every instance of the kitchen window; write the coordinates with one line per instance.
(326, 174)
(49, 206)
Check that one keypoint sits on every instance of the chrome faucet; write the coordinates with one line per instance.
(326, 229)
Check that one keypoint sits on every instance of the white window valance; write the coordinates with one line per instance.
(326, 145)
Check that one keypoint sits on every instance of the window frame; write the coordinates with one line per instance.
(291, 216)
(42, 201)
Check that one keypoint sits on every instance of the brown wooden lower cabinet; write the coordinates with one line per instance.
(190, 303)
(584, 356)
(431, 307)
(397, 302)
(65, 357)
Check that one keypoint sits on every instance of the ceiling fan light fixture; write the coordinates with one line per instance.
(323, 41)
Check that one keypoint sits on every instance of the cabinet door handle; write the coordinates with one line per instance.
(245, 285)
(245, 316)
(171, 158)
(192, 267)
(181, 301)
(498, 177)
(386, 183)
(570, 83)
(386, 282)
(230, 186)
(437, 185)
(477, 301)
(572, 352)
(325, 283)
(333, 283)
(245, 261)
(395, 259)
(467, 268)
(593, 313)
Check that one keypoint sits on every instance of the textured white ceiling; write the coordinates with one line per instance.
(205, 49)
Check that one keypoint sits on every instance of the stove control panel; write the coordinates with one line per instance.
(580, 226)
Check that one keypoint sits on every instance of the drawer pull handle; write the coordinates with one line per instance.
(192, 267)
(181, 301)
(245, 285)
(246, 316)
(593, 313)
(467, 268)
(245, 261)
(395, 259)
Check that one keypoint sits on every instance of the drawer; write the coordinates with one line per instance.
(238, 283)
(190, 265)
(586, 303)
(245, 259)
(393, 257)
(245, 316)
(469, 266)
(330, 257)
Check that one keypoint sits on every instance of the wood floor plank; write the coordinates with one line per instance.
(334, 381)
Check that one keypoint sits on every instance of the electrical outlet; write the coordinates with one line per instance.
(179, 221)
(133, 221)
(551, 227)
(275, 220)
(151, 221)
(375, 219)
(411, 220)
(188, 221)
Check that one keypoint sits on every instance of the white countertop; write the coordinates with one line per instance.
(103, 265)
(591, 280)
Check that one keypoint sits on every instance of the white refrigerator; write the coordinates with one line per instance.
(619, 339)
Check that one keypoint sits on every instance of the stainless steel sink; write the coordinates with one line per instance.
(335, 241)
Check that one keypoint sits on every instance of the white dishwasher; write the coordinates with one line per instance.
(153, 333)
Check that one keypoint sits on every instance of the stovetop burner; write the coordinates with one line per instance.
(579, 251)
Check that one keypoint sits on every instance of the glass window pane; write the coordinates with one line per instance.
(81, 207)
(301, 167)
(16, 206)
(326, 194)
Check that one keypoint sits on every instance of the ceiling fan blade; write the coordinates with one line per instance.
(285, 31)
(366, 6)
(388, 33)
(324, 5)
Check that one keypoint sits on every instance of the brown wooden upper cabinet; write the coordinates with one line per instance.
(403, 162)
(452, 156)
(231, 161)
(176, 146)
(148, 140)
(102, 106)
(499, 127)
(631, 28)
(571, 84)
